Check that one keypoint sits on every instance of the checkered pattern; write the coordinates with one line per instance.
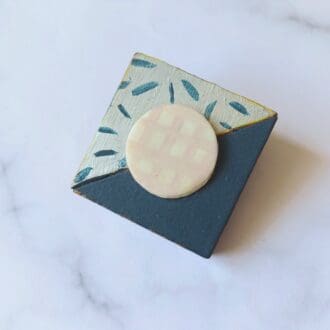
(171, 151)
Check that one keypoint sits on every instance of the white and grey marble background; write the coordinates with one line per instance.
(67, 263)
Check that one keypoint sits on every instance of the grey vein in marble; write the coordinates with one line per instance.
(14, 208)
(304, 22)
(105, 306)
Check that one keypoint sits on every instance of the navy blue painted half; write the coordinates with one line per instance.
(196, 221)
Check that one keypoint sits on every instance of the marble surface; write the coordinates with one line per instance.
(67, 263)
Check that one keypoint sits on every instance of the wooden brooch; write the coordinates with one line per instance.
(173, 153)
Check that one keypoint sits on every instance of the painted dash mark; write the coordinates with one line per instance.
(209, 109)
(102, 153)
(122, 109)
(82, 175)
(122, 163)
(171, 90)
(107, 130)
(239, 107)
(142, 63)
(191, 90)
(124, 84)
(144, 88)
(225, 125)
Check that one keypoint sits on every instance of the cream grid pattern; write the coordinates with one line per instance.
(171, 151)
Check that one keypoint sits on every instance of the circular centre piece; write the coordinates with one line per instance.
(171, 151)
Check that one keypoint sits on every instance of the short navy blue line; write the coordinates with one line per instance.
(239, 107)
(144, 88)
(142, 63)
(122, 109)
(81, 175)
(107, 130)
(102, 153)
(124, 84)
(171, 90)
(209, 109)
(191, 90)
(225, 125)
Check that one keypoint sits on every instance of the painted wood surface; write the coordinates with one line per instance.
(196, 221)
(147, 83)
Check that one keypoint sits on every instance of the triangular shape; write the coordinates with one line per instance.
(196, 221)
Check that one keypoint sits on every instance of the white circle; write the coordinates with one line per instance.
(171, 151)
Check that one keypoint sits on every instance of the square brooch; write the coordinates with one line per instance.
(173, 153)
